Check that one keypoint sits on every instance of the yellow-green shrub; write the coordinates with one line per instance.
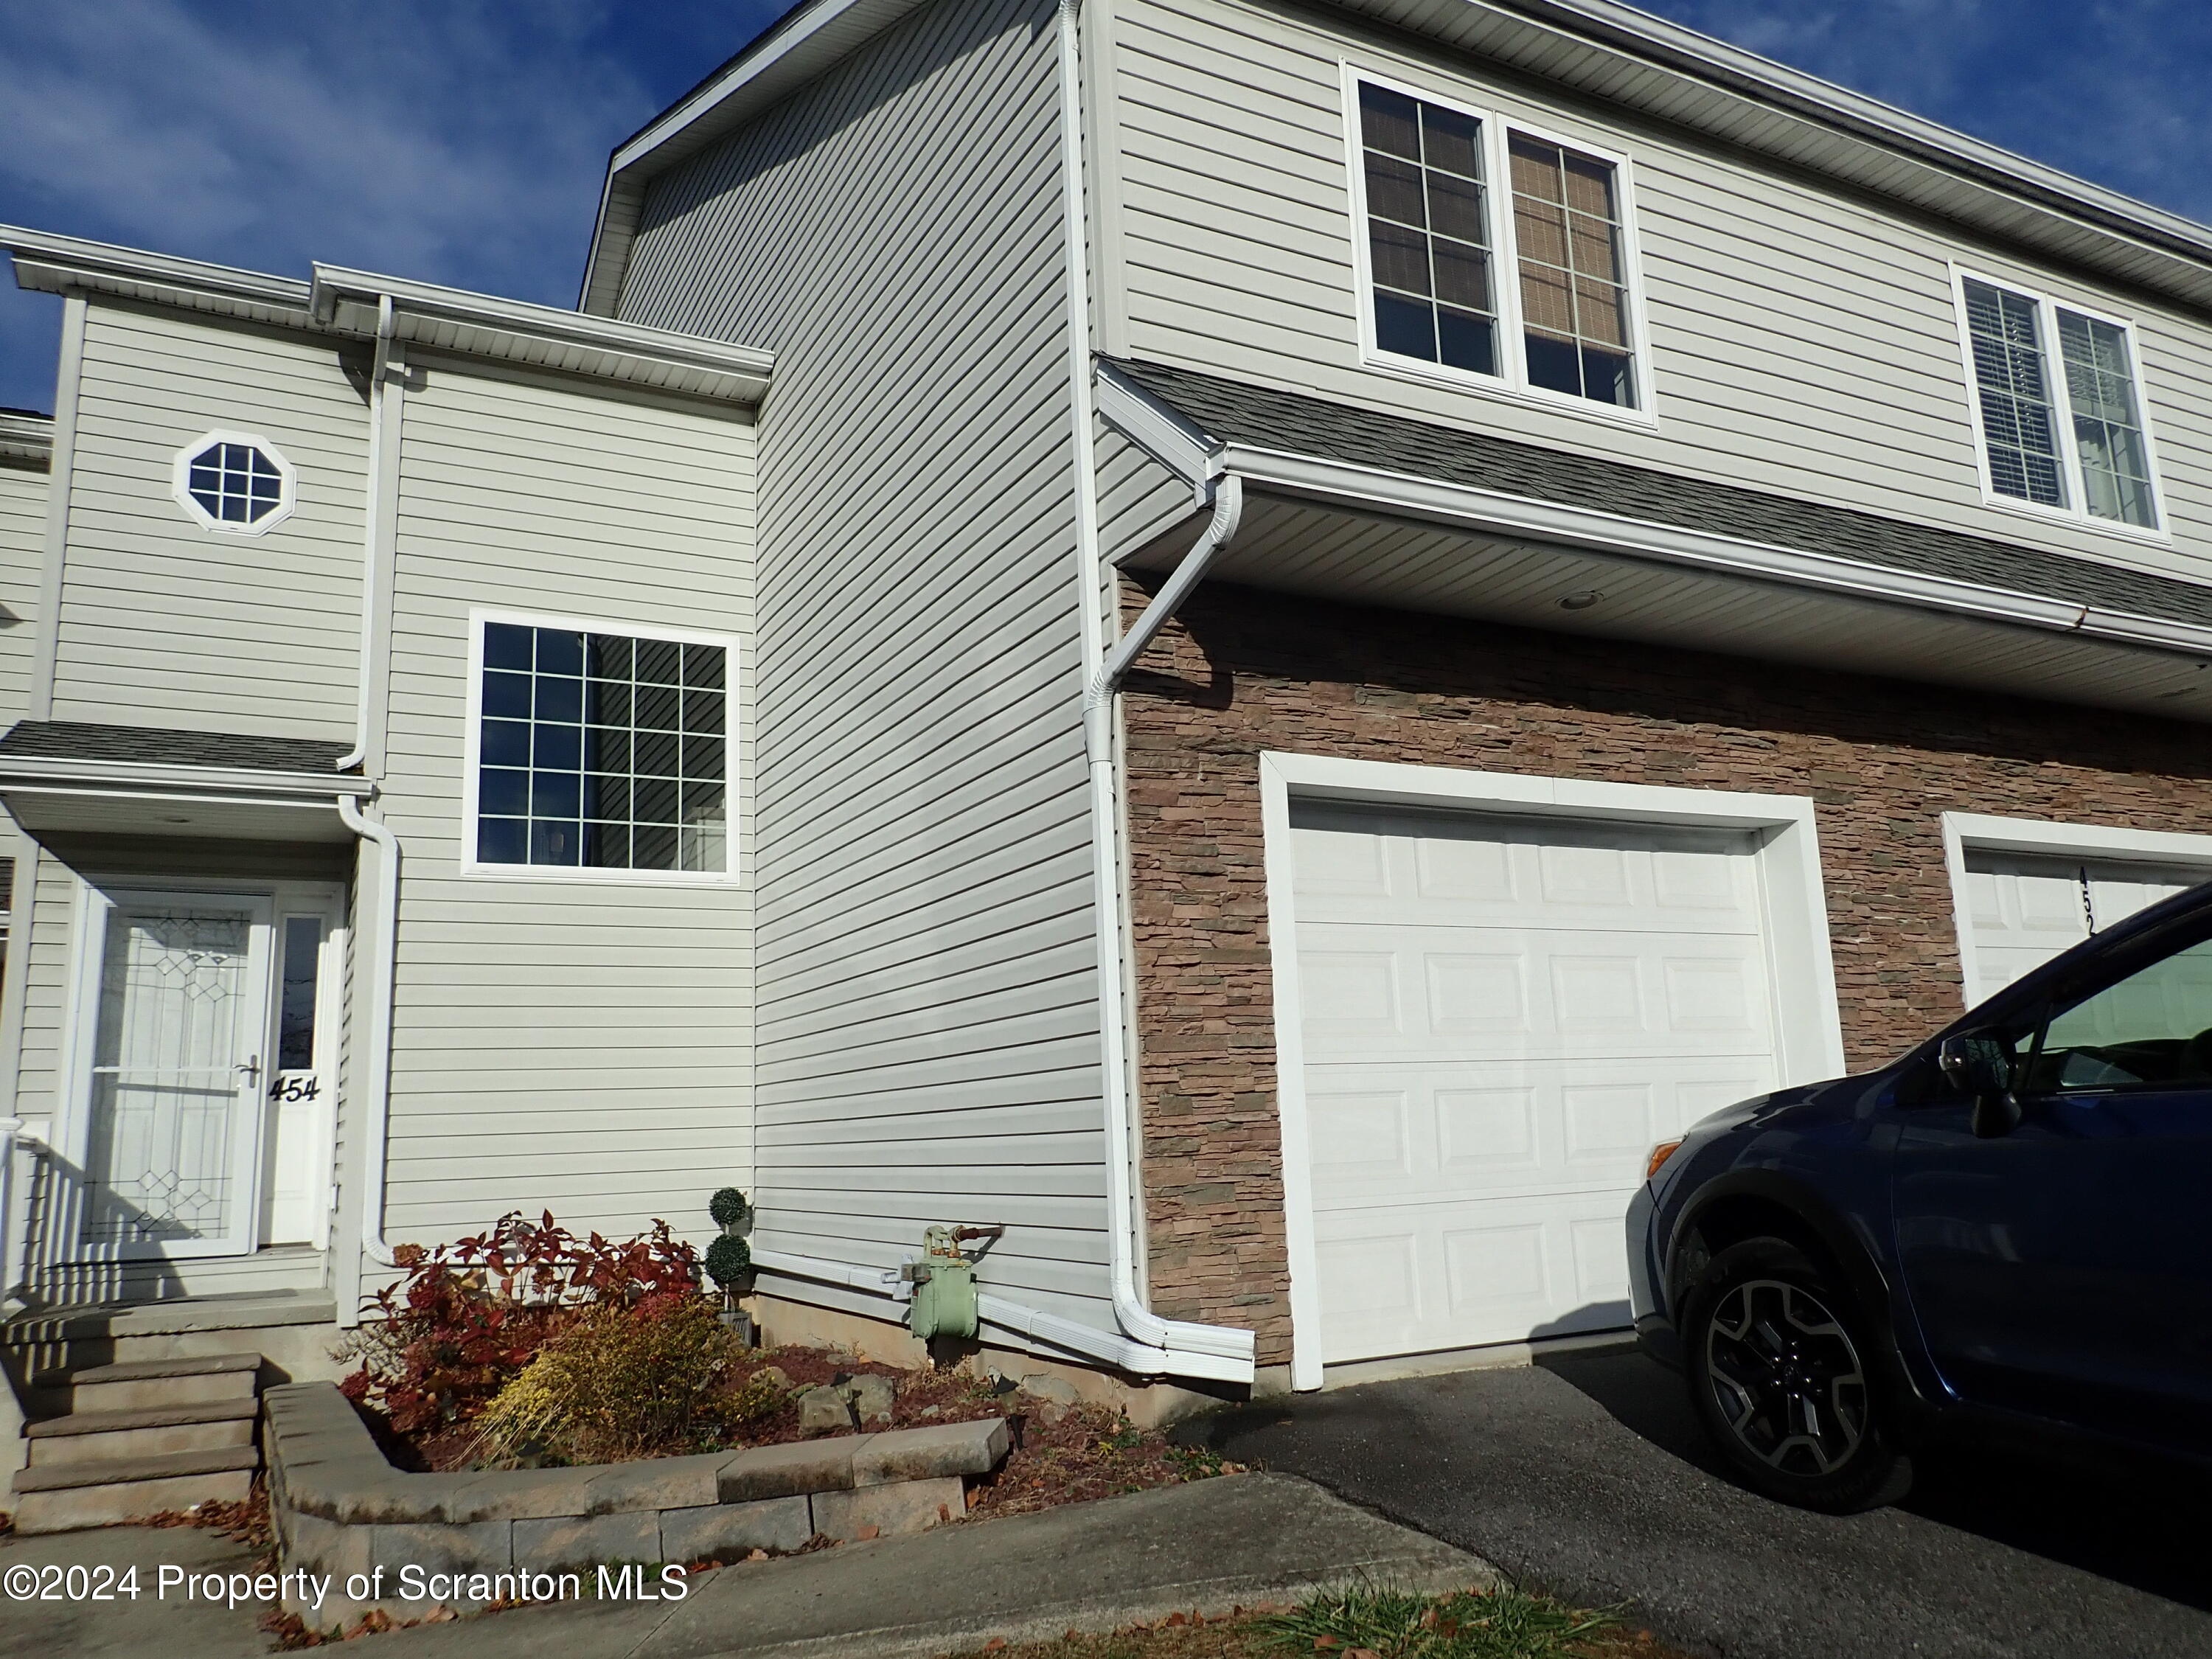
(619, 1382)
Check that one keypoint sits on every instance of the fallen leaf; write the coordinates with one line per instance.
(866, 1533)
(994, 1644)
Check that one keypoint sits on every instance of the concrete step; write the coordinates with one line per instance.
(293, 1328)
(127, 1435)
(73, 1495)
(148, 1384)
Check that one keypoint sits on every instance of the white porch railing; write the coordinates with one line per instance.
(14, 1245)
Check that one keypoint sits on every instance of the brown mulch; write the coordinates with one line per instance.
(1063, 1454)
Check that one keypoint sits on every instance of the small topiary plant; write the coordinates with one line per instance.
(729, 1208)
(729, 1259)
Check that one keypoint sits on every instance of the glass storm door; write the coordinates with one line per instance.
(174, 1125)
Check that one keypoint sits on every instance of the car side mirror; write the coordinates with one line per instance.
(1982, 1067)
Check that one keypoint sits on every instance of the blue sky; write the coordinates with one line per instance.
(462, 141)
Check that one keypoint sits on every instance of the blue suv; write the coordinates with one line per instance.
(2010, 1227)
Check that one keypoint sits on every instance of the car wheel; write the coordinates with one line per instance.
(1784, 1377)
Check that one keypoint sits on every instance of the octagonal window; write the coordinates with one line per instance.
(233, 482)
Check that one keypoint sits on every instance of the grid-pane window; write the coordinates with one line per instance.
(2020, 428)
(1428, 231)
(234, 482)
(602, 751)
(1495, 251)
(2108, 434)
(1574, 278)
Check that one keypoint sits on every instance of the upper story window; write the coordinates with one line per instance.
(1539, 299)
(233, 482)
(601, 749)
(2059, 404)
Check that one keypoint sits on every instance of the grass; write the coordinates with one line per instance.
(1368, 1621)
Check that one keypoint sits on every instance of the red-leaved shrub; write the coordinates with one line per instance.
(436, 1346)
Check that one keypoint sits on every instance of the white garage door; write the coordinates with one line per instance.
(2025, 910)
(1500, 1018)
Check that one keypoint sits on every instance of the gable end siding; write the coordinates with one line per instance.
(928, 1043)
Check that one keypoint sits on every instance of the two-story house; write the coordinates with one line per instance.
(1335, 617)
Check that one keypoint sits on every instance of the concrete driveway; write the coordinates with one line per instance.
(1588, 1476)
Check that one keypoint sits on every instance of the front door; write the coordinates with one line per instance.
(174, 1103)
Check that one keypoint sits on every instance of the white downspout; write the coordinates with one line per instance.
(1102, 675)
(379, 530)
(373, 534)
(384, 944)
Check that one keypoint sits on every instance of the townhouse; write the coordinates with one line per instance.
(1255, 640)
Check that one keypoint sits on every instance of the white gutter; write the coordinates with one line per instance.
(1206, 463)
(376, 1103)
(18, 771)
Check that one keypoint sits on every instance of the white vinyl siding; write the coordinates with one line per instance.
(1803, 341)
(929, 1018)
(23, 549)
(166, 624)
(557, 1043)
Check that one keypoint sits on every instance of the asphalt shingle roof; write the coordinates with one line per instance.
(156, 746)
(1233, 411)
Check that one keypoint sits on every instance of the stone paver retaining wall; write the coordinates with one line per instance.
(340, 1510)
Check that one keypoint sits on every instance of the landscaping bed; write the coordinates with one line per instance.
(529, 1348)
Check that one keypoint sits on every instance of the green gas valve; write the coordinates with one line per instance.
(943, 1281)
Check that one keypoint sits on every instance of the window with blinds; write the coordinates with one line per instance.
(1533, 293)
(2060, 410)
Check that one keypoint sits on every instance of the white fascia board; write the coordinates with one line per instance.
(1159, 430)
(1733, 69)
(54, 264)
(18, 771)
(26, 438)
(504, 325)
(1493, 513)
(798, 44)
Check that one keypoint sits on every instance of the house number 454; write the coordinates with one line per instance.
(294, 1088)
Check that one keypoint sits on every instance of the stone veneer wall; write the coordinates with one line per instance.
(1244, 670)
(339, 1509)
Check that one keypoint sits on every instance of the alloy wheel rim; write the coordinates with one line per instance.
(1786, 1377)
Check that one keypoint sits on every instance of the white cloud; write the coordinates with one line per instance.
(459, 141)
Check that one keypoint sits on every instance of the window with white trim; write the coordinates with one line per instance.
(232, 482)
(605, 750)
(1560, 320)
(2069, 435)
